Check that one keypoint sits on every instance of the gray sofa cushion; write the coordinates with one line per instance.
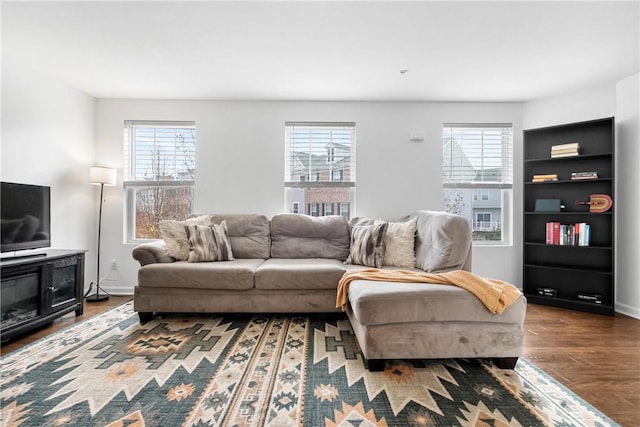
(379, 303)
(229, 275)
(311, 273)
(443, 241)
(250, 234)
(303, 236)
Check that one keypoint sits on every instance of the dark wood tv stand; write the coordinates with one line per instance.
(38, 288)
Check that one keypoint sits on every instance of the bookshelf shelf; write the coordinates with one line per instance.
(564, 268)
(569, 213)
(572, 247)
(570, 181)
(572, 271)
(565, 159)
(572, 304)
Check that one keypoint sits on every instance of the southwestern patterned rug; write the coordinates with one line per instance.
(261, 371)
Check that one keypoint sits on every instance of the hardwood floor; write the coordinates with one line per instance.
(597, 357)
(90, 309)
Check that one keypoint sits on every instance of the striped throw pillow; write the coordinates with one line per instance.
(367, 244)
(208, 243)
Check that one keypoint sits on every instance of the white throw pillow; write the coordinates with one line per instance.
(175, 237)
(400, 244)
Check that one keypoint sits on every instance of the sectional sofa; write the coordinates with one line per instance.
(292, 264)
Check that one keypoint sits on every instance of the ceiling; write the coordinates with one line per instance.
(264, 50)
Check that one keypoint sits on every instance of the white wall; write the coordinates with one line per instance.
(620, 101)
(48, 139)
(240, 166)
(594, 103)
(628, 195)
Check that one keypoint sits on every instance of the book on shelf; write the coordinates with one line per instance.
(567, 234)
(544, 178)
(587, 296)
(559, 155)
(565, 150)
(568, 146)
(584, 175)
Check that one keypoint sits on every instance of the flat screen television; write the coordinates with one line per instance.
(25, 216)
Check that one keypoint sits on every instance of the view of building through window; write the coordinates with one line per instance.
(477, 176)
(320, 168)
(159, 176)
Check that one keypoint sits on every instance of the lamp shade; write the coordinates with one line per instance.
(99, 175)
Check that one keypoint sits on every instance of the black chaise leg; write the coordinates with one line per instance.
(145, 317)
(374, 365)
(505, 362)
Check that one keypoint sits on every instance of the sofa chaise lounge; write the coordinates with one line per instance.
(292, 263)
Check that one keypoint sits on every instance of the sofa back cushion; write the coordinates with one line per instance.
(443, 241)
(303, 236)
(249, 234)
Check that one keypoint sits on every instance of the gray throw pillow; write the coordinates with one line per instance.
(208, 243)
(367, 244)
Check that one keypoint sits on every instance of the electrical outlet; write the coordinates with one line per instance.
(114, 265)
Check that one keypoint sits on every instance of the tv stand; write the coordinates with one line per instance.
(38, 288)
(12, 257)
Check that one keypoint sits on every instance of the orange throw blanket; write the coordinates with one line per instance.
(496, 295)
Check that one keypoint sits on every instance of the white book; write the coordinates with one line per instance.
(573, 145)
(553, 156)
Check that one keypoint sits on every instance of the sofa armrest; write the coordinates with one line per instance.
(151, 253)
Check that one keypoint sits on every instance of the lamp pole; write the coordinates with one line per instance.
(97, 297)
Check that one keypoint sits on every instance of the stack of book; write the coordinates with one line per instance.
(545, 178)
(565, 150)
(584, 175)
(587, 296)
(577, 234)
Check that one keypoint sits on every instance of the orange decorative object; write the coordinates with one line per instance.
(598, 203)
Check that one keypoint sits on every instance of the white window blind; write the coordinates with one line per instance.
(319, 155)
(159, 175)
(477, 155)
(478, 177)
(160, 152)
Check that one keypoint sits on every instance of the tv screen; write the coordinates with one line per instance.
(25, 218)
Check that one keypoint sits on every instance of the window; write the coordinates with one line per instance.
(295, 207)
(481, 195)
(159, 175)
(328, 209)
(478, 177)
(331, 154)
(344, 210)
(323, 153)
(482, 221)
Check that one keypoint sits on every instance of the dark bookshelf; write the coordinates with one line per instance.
(570, 270)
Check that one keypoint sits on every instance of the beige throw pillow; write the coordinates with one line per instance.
(175, 237)
(400, 244)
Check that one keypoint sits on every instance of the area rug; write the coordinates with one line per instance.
(274, 370)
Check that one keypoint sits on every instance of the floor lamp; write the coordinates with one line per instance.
(100, 176)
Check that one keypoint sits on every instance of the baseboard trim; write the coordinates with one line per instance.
(628, 310)
(118, 290)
